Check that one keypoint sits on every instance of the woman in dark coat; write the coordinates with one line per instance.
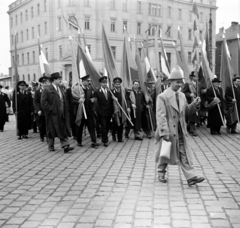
(24, 109)
(214, 117)
(4, 101)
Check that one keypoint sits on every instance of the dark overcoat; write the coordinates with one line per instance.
(229, 96)
(214, 117)
(139, 97)
(24, 111)
(57, 122)
(4, 100)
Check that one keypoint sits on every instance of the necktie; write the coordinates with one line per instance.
(177, 99)
(105, 92)
(60, 95)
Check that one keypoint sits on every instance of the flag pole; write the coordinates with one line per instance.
(16, 82)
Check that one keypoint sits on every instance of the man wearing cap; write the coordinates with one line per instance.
(24, 109)
(88, 101)
(4, 104)
(214, 116)
(119, 119)
(172, 108)
(44, 81)
(192, 90)
(231, 103)
(54, 103)
(105, 103)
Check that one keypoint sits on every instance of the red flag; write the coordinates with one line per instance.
(207, 42)
(195, 10)
(44, 66)
(164, 61)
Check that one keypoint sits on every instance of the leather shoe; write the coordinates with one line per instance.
(67, 149)
(195, 180)
(138, 138)
(51, 149)
(162, 179)
(120, 140)
(42, 139)
(193, 133)
(94, 145)
(25, 137)
(214, 133)
(80, 144)
(20, 137)
(228, 130)
(126, 136)
(105, 144)
(114, 138)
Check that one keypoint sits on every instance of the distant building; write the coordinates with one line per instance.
(232, 41)
(33, 18)
(5, 80)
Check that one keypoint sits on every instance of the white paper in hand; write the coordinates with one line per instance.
(165, 149)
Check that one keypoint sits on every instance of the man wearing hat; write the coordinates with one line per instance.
(214, 116)
(24, 109)
(44, 81)
(54, 104)
(105, 103)
(88, 101)
(192, 90)
(4, 104)
(119, 119)
(231, 114)
(172, 107)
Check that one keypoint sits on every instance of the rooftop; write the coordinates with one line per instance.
(230, 33)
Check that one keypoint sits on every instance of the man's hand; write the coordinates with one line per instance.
(114, 98)
(216, 99)
(147, 106)
(134, 106)
(192, 95)
(39, 113)
(197, 100)
(234, 100)
(81, 100)
(204, 90)
(128, 109)
(92, 100)
(166, 137)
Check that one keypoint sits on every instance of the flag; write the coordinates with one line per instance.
(195, 10)
(226, 72)
(207, 42)
(147, 32)
(149, 71)
(179, 60)
(167, 31)
(108, 56)
(44, 66)
(164, 60)
(183, 57)
(194, 55)
(156, 51)
(201, 78)
(78, 59)
(73, 25)
(207, 73)
(238, 54)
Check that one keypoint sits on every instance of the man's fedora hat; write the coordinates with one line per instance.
(216, 80)
(176, 73)
(55, 75)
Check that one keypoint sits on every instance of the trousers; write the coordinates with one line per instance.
(105, 124)
(64, 142)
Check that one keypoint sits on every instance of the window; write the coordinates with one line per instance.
(28, 60)
(59, 24)
(45, 6)
(125, 5)
(200, 35)
(16, 19)
(190, 15)
(113, 48)
(33, 54)
(32, 12)
(169, 12)
(87, 23)
(26, 15)
(29, 77)
(168, 32)
(158, 10)
(32, 32)
(189, 57)
(46, 53)
(22, 59)
(112, 5)
(34, 77)
(152, 29)
(189, 34)
(113, 25)
(179, 14)
(138, 28)
(154, 10)
(169, 59)
(139, 7)
(22, 36)
(21, 19)
(38, 9)
(124, 26)
(89, 48)
(39, 30)
(11, 22)
(60, 51)
(201, 17)
(45, 27)
(27, 35)
(140, 52)
(23, 77)
(86, 2)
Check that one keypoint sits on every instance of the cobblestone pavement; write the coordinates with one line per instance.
(116, 186)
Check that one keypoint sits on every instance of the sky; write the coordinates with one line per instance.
(228, 11)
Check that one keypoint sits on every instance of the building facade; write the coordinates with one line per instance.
(232, 41)
(5, 80)
(44, 18)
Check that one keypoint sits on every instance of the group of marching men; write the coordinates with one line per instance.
(60, 112)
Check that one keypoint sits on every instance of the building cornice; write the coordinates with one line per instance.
(199, 4)
(17, 4)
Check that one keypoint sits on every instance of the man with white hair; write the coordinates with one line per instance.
(171, 111)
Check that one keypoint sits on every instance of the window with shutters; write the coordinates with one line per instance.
(113, 25)
(87, 23)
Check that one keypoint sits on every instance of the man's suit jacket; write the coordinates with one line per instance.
(105, 105)
(37, 101)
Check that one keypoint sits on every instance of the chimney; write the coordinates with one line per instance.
(234, 23)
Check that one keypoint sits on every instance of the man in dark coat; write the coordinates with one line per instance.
(89, 121)
(192, 90)
(54, 103)
(38, 107)
(214, 117)
(231, 115)
(24, 109)
(105, 103)
(4, 104)
(119, 119)
(136, 107)
(34, 117)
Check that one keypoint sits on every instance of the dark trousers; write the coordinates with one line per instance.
(42, 126)
(1, 127)
(215, 129)
(73, 124)
(117, 130)
(105, 124)
(89, 122)
(64, 142)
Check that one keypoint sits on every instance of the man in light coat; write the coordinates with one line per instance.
(172, 108)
